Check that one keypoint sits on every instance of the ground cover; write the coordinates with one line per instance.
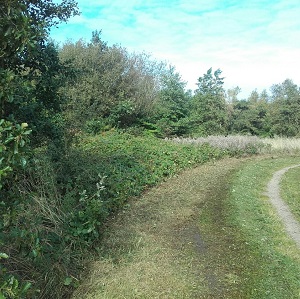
(208, 233)
(276, 260)
(290, 190)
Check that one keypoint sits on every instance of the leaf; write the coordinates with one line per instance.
(23, 161)
(2, 296)
(68, 281)
(25, 288)
(3, 255)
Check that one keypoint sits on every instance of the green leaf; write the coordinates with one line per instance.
(68, 281)
(25, 288)
(23, 161)
(3, 255)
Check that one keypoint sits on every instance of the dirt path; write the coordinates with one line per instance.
(291, 224)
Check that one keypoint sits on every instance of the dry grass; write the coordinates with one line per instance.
(236, 142)
(277, 145)
(155, 249)
(282, 145)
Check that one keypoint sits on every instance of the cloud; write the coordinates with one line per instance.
(254, 42)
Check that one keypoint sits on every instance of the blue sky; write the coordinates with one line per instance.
(256, 43)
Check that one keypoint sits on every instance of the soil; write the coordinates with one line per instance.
(292, 226)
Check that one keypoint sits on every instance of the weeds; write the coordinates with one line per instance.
(282, 145)
(233, 144)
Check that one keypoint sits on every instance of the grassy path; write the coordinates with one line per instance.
(291, 224)
(208, 233)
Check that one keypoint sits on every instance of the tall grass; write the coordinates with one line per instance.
(246, 144)
(233, 144)
(282, 145)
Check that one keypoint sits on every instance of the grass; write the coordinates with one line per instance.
(247, 144)
(155, 248)
(276, 259)
(208, 233)
(282, 145)
(290, 190)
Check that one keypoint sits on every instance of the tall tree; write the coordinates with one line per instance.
(29, 66)
(285, 109)
(111, 84)
(208, 104)
(173, 105)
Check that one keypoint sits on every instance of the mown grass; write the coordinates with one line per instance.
(209, 233)
(62, 226)
(155, 248)
(275, 259)
(290, 190)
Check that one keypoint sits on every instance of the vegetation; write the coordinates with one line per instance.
(290, 191)
(273, 255)
(156, 248)
(82, 130)
(210, 233)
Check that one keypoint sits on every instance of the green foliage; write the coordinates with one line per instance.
(110, 83)
(208, 116)
(13, 139)
(210, 83)
(24, 26)
(10, 288)
(172, 106)
(285, 109)
(129, 163)
(249, 118)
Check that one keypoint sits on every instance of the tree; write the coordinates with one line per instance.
(208, 104)
(285, 109)
(232, 94)
(25, 57)
(111, 85)
(29, 66)
(172, 108)
(211, 83)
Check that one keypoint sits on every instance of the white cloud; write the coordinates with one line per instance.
(255, 43)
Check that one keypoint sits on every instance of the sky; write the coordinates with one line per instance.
(255, 43)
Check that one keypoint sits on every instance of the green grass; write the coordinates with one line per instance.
(155, 248)
(59, 223)
(275, 259)
(290, 190)
(208, 233)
